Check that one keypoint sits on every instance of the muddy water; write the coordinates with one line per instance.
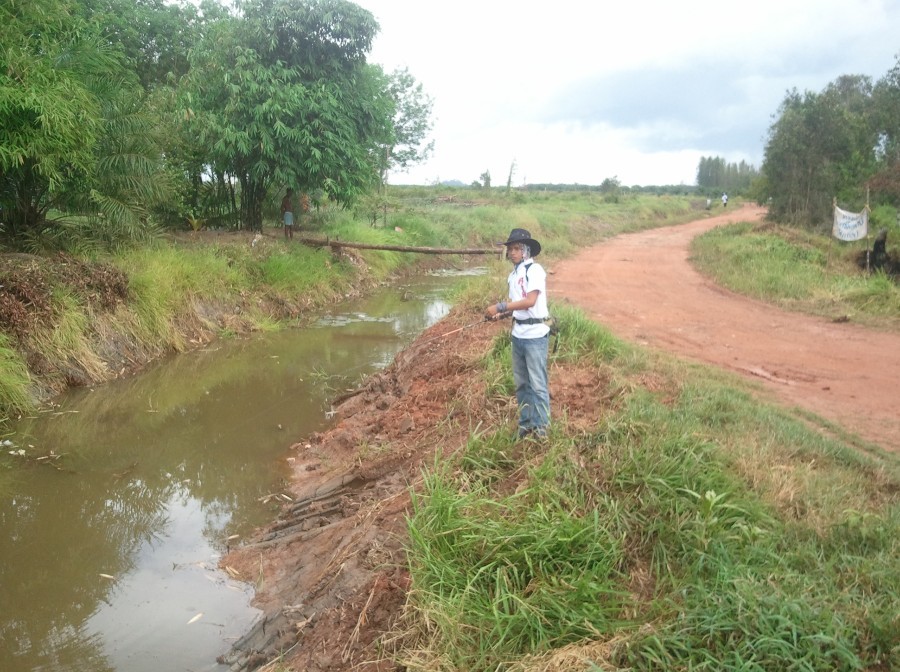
(108, 554)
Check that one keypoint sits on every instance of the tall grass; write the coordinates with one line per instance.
(798, 270)
(582, 338)
(67, 339)
(301, 270)
(166, 283)
(691, 529)
(14, 380)
(501, 577)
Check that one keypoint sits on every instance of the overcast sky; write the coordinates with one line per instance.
(575, 91)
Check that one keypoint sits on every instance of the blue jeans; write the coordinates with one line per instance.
(529, 366)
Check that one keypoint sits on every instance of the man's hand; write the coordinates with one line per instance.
(496, 311)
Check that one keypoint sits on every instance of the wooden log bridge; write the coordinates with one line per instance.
(336, 245)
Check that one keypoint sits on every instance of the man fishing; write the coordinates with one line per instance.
(530, 333)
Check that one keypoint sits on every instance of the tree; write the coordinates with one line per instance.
(61, 93)
(714, 174)
(886, 115)
(709, 172)
(282, 95)
(509, 179)
(154, 35)
(411, 121)
(130, 179)
(820, 147)
(611, 188)
(611, 185)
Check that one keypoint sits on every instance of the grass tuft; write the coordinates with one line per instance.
(14, 380)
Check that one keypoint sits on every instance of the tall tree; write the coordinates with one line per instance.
(154, 35)
(820, 147)
(886, 97)
(411, 123)
(58, 86)
(716, 174)
(282, 95)
(130, 179)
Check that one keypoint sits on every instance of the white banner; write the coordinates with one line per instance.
(850, 225)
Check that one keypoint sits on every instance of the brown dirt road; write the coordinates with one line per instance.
(643, 288)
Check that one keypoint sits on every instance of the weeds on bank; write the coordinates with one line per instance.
(700, 530)
(163, 283)
(14, 380)
(66, 339)
(496, 577)
(171, 286)
(797, 270)
(301, 271)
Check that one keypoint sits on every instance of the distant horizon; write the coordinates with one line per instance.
(460, 183)
(578, 92)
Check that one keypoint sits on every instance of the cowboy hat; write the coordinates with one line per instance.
(522, 236)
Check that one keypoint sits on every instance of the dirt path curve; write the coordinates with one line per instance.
(642, 287)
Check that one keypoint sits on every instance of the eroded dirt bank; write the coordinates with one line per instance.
(332, 569)
(114, 344)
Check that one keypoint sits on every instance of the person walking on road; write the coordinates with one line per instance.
(530, 334)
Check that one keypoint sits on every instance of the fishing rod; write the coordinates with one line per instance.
(550, 321)
(500, 316)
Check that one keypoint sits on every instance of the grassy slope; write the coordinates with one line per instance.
(800, 271)
(692, 528)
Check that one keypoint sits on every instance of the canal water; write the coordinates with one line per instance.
(123, 498)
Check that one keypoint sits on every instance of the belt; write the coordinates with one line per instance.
(550, 321)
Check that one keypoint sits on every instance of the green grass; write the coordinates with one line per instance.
(14, 380)
(582, 338)
(502, 577)
(692, 529)
(799, 271)
(67, 337)
(304, 270)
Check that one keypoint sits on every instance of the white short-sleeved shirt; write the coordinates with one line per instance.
(527, 277)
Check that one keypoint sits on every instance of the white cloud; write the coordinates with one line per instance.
(578, 91)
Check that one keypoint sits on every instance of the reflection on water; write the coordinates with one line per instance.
(108, 556)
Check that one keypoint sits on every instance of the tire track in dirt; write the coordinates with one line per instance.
(643, 288)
